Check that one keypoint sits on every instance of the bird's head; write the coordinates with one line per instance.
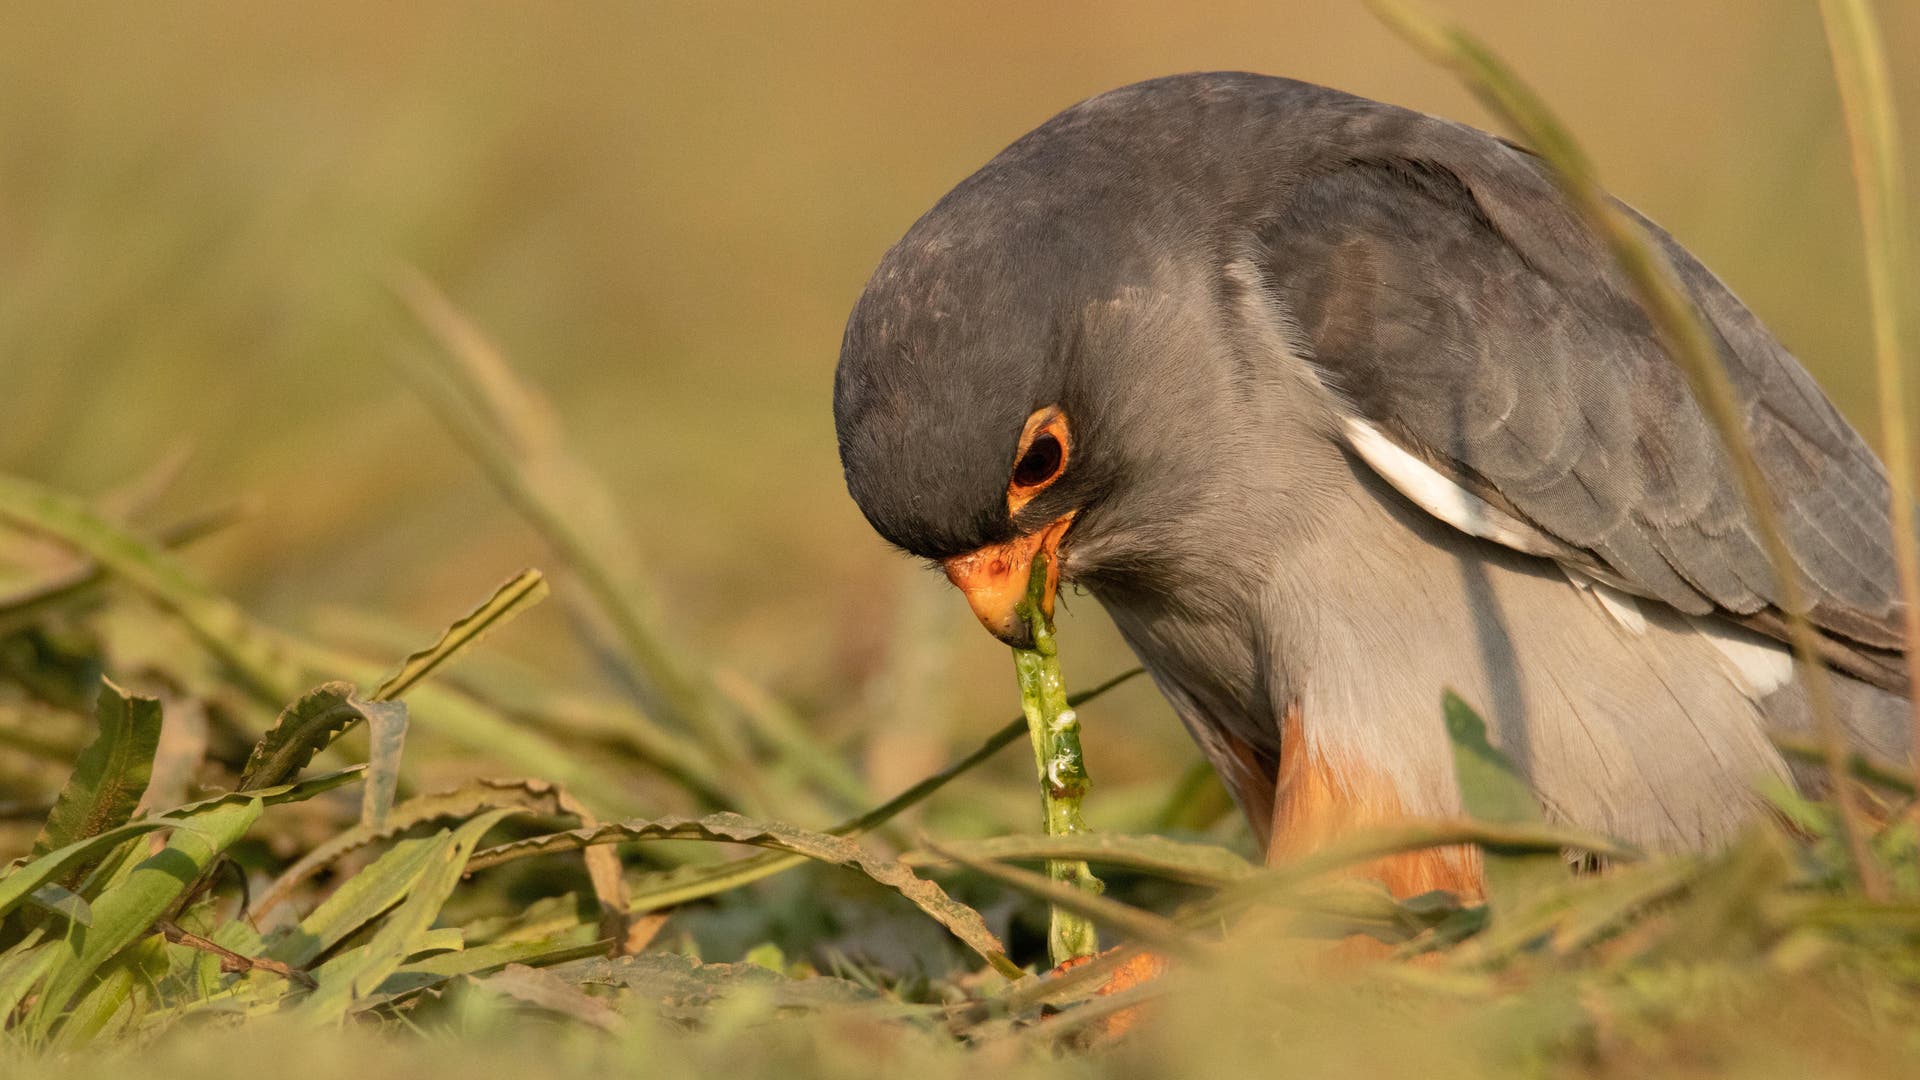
(1050, 362)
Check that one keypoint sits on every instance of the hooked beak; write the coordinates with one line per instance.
(995, 578)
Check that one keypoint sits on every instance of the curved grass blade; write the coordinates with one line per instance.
(534, 796)
(258, 659)
(109, 776)
(302, 730)
(1196, 864)
(652, 892)
(511, 432)
(964, 922)
(1144, 926)
(1879, 174)
(277, 795)
(519, 593)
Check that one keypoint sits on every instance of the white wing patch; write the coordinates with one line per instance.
(1622, 606)
(1761, 665)
(1440, 496)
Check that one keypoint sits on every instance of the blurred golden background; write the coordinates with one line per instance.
(662, 213)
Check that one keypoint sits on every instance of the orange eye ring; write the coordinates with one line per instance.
(1045, 445)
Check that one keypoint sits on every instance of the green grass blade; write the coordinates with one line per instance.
(363, 897)
(348, 979)
(511, 432)
(1196, 864)
(1143, 926)
(258, 659)
(524, 590)
(1879, 174)
(109, 777)
(652, 892)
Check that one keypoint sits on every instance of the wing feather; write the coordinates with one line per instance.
(1443, 289)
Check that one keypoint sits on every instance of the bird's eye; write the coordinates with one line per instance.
(1040, 463)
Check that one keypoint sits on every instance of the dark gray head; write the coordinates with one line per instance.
(1086, 269)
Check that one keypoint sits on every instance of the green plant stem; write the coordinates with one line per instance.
(1055, 730)
(1685, 341)
(1873, 134)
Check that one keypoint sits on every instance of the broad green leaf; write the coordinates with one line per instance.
(109, 777)
(21, 969)
(351, 977)
(1492, 790)
(23, 880)
(360, 900)
(524, 590)
(963, 921)
(113, 992)
(127, 912)
(576, 943)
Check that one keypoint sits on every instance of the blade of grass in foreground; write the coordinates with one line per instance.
(662, 890)
(1682, 336)
(1879, 176)
(1055, 731)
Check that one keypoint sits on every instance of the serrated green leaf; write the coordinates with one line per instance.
(964, 922)
(302, 730)
(524, 590)
(109, 777)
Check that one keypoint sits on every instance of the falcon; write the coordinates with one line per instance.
(1333, 405)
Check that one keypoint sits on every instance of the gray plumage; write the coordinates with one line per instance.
(1230, 283)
